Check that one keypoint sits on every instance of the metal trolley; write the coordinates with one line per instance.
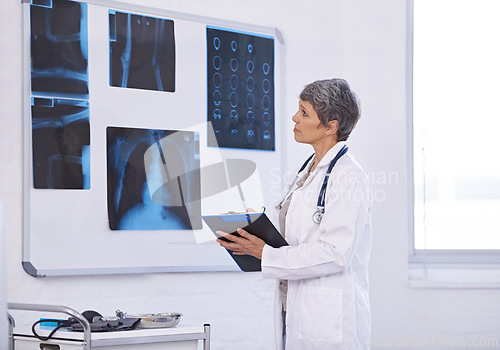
(112, 340)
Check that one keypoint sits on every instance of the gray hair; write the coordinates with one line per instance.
(332, 99)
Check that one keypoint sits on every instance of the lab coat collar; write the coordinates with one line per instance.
(331, 154)
(324, 162)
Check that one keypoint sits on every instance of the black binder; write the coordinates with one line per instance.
(257, 224)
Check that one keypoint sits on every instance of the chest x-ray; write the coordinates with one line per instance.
(153, 179)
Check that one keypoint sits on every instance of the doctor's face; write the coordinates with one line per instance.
(308, 128)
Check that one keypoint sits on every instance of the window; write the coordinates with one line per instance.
(456, 129)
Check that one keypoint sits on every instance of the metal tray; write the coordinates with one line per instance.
(161, 320)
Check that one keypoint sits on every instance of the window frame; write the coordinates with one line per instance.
(429, 256)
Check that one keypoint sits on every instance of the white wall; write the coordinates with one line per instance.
(3, 290)
(363, 41)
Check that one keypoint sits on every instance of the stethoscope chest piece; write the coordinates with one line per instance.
(318, 215)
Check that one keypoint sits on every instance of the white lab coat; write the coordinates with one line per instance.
(325, 264)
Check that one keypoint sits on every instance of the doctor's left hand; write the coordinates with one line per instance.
(247, 244)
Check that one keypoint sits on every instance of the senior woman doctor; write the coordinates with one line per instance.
(323, 289)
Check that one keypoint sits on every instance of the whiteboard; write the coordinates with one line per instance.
(67, 220)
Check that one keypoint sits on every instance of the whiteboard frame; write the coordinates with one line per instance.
(40, 271)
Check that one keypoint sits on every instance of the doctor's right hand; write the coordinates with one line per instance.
(247, 244)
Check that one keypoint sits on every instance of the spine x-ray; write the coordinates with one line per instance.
(153, 179)
(141, 52)
(240, 86)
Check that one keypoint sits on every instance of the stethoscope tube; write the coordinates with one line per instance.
(318, 215)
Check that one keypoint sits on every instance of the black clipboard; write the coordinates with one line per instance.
(257, 224)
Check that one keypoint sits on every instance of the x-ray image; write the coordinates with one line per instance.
(142, 52)
(59, 45)
(153, 179)
(240, 83)
(61, 139)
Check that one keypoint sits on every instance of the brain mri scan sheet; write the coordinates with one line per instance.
(153, 179)
(240, 86)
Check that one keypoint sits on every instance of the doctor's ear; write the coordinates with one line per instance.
(333, 127)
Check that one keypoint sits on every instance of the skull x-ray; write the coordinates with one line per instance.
(141, 52)
(153, 179)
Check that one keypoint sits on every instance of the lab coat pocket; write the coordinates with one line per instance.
(321, 313)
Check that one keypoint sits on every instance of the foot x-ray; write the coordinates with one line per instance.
(240, 88)
(153, 179)
(141, 52)
(61, 139)
(59, 45)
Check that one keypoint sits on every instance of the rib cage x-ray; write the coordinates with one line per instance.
(153, 179)
(59, 45)
(142, 52)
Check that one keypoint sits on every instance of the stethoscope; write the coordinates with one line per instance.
(318, 215)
